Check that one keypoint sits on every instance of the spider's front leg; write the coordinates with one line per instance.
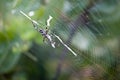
(46, 30)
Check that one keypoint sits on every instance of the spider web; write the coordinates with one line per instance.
(81, 25)
(85, 31)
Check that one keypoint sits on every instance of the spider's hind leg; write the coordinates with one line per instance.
(44, 38)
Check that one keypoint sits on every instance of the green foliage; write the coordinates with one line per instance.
(8, 57)
(24, 55)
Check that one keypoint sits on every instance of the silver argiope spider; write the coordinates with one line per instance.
(45, 33)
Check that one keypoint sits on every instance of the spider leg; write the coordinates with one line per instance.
(44, 38)
(46, 30)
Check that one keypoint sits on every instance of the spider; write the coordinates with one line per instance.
(45, 33)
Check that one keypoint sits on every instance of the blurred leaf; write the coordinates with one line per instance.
(9, 51)
(8, 60)
(3, 38)
(19, 76)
